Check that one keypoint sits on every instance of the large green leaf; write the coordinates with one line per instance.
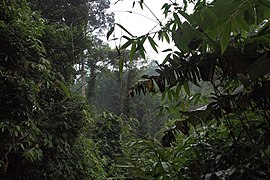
(181, 41)
(65, 89)
(242, 23)
(225, 38)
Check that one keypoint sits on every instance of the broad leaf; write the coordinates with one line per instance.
(242, 23)
(65, 89)
(225, 38)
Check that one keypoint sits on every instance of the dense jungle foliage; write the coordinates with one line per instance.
(71, 107)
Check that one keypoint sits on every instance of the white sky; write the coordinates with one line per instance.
(139, 22)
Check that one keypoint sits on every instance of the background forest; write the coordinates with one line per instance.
(74, 108)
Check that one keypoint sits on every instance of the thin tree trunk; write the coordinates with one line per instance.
(91, 83)
(83, 79)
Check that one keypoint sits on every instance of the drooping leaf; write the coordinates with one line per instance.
(165, 34)
(123, 28)
(110, 32)
(142, 51)
(177, 19)
(166, 8)
(141, 4)
(121, 65)
(132, 51)
(126, 45)
(186, 87)
(153, 43)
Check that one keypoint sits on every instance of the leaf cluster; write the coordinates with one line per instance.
(41, 126)
(224, 43)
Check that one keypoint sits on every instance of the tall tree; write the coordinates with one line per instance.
(40, 122)
(98, 56)
(82, 17)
